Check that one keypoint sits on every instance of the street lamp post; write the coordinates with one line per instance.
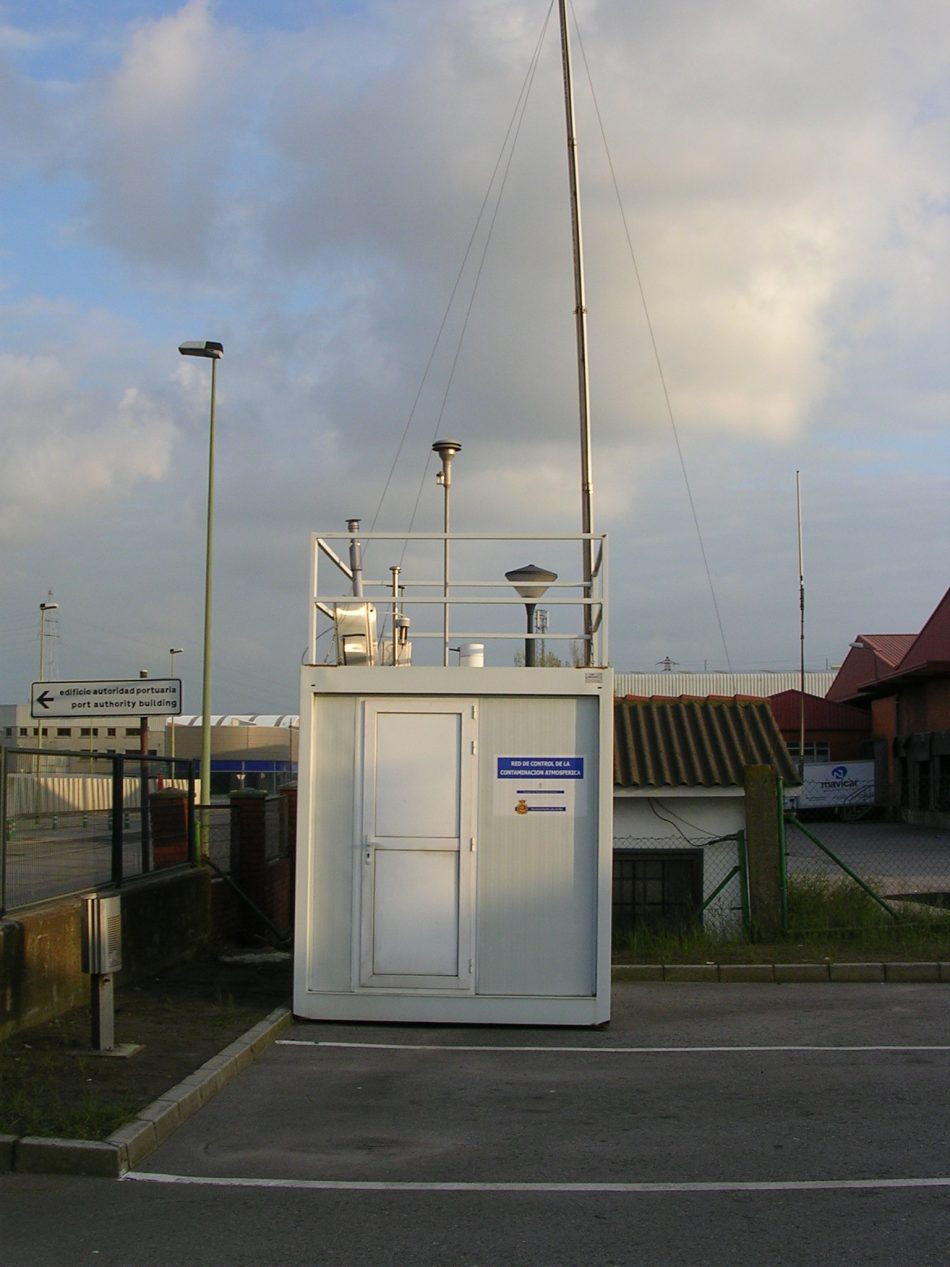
(44, 608)
(213, 352)
(531, 582)
(172, 652)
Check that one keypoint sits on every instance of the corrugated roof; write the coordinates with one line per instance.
(689, 742)
(760, 684)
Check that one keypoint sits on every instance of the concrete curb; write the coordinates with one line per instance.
(782, 973)
(131, 1144)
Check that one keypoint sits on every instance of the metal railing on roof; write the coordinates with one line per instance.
(484, 610)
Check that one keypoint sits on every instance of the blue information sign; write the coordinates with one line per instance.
(540, 767)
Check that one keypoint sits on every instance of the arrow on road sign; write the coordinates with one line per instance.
(45, 699)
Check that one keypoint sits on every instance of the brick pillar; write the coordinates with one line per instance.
(763, 850)
(169, 819)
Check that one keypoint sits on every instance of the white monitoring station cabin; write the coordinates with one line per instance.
(454, 830)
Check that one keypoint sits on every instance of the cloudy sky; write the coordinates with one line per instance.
(302, 181)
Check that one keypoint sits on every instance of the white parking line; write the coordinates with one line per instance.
(608, 1051)
(356, 1185)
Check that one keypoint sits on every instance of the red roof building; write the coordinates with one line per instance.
(871, 657)
(903, 680)
(833, 732)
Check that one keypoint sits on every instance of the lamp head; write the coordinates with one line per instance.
(531, 582)
(202, 347)
(446, 450)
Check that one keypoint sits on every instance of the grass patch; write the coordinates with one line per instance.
(39, 1096)
(829, 918)
(52, 1085)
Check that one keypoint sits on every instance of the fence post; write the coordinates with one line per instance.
(289, 793)
(193, 854)
(782, 855)
(763, 850)
(118, 815)
(743, 865)
(249, 853)
(4, 828)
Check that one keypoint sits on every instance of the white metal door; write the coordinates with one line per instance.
(418, 844)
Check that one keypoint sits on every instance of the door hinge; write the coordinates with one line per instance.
(474, 747)
(471, 843)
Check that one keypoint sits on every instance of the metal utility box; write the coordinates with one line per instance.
(101, 925)
(454, 845)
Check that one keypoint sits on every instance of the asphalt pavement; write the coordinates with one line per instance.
(707, 1124)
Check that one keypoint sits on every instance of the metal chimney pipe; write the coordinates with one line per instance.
(356, 558)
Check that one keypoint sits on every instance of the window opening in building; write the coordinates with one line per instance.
(656, 886)
(923, 785)
(943, 782)
(815, 750)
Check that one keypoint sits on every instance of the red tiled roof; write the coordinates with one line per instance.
(871, 657)
(932, 644)
(891, 648)
(882, 661)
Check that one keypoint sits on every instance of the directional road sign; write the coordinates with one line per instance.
(140, 697)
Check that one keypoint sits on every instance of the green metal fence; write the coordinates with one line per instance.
(863, 871)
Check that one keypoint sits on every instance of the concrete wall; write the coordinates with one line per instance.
(163, 921)
(66, 793)
(664, 816)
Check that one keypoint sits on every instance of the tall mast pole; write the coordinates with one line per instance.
(801, 637)
(580, 317)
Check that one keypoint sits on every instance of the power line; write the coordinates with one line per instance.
(656, 350)
(508, 146)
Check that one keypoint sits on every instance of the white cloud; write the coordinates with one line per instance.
(306, 193)
(159, 133)
(72, 446)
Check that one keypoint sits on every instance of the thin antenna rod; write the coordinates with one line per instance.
(580, 315)
(801, 605)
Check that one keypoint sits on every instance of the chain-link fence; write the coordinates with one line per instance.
(676, 880)
(897, 867)
(218, 849)
(845, 790)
